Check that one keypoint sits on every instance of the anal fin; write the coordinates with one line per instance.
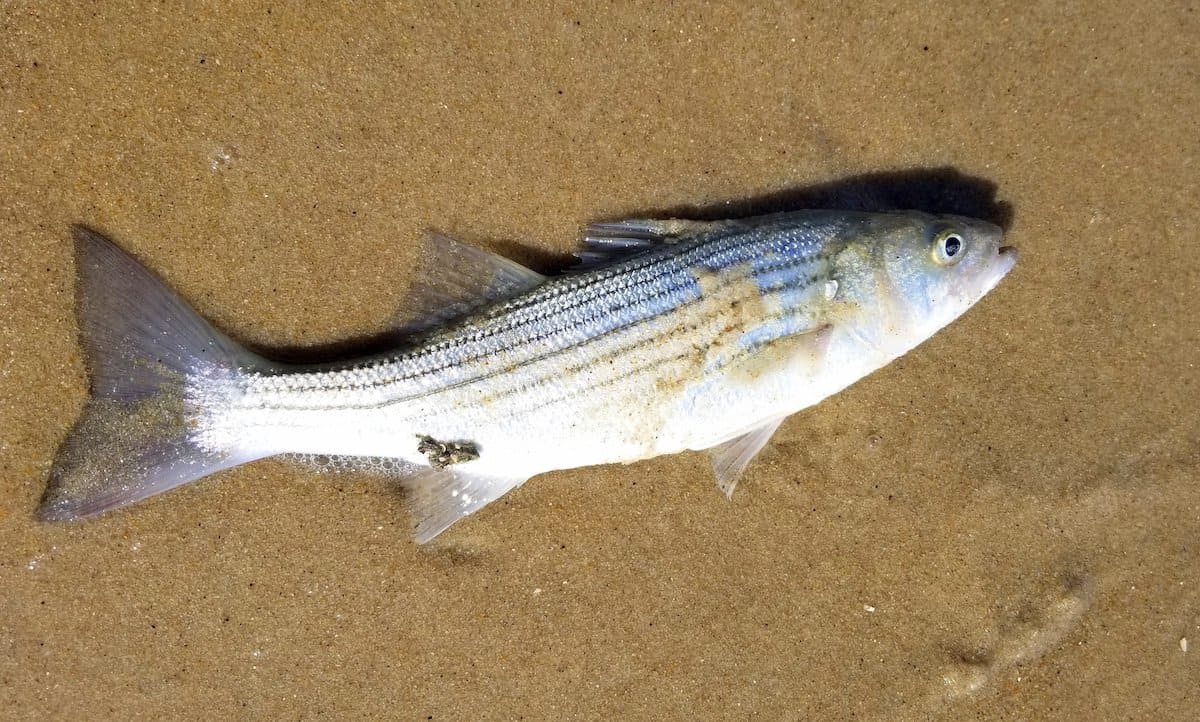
(730, 459)
(440, 497)
(436, 497)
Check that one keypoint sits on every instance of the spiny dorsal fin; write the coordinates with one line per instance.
(608, 242)
(730, 459)
(452, 278)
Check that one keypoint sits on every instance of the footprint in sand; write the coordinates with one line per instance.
(1022, 638)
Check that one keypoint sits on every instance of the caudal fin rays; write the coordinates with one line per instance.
(143, 347)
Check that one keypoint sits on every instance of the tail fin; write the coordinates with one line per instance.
(147, 354)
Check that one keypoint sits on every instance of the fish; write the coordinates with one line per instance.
(670, 335)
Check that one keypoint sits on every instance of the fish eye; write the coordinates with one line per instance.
(948, 247)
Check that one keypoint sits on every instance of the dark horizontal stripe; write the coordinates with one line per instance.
(799, 283)
(321, 381)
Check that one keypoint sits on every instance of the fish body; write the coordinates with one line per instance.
(678, 335)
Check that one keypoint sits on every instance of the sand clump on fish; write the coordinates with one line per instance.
(670, 336)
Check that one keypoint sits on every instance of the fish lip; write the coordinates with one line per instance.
(1009, 255)
(1006, 258)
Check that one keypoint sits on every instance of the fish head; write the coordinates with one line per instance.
(935, 267)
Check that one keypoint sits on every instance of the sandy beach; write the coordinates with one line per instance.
(1001, 525)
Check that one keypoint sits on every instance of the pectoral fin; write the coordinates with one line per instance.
(731, 458)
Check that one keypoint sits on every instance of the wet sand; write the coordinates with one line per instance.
(1001, 525)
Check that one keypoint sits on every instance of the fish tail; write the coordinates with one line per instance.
(157, 369)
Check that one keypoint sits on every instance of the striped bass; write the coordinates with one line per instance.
(671, 335)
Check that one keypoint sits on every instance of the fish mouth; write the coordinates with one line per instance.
(1006, 258)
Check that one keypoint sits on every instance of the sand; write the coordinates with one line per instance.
(1001, 525)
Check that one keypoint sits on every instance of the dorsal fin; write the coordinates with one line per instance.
(452, 278)
(605, 243)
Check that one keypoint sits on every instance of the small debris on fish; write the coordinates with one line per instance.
(444, 453)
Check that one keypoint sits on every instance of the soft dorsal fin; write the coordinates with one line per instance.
(608, 242)
(731, 458)
(452, 278)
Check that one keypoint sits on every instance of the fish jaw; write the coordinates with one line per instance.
(1007, 259)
